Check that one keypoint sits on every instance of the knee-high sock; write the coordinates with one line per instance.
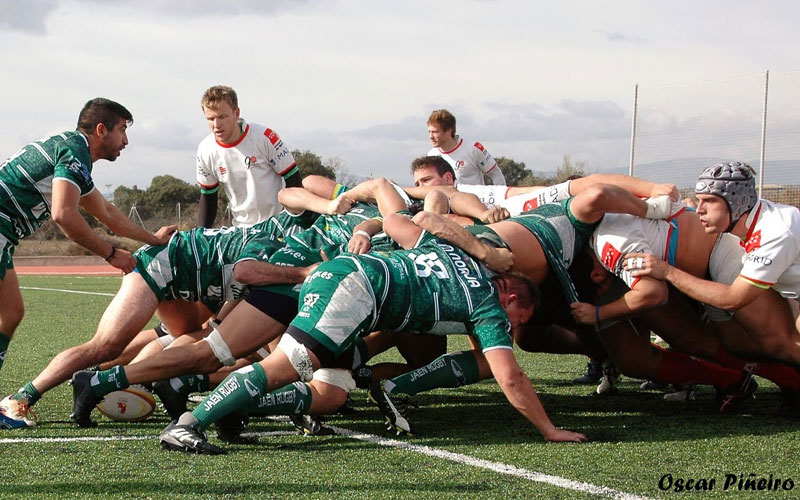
(679, 368)
(106, 381)
(237, 391)
(294, 398)
(449, 370)
(783, 375)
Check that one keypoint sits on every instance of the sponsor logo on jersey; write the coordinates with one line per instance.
(271, 136)
(250, 161)
(758, 259)
(753, 242)
(480, 147)
(214, 291)
(458, 164)
(222, 169)
(610, 256)
(38, 210)
(535, 202)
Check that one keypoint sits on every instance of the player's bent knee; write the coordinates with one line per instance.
(298, 357)
(220, 347)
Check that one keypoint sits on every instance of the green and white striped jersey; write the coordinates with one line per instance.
(26, 180)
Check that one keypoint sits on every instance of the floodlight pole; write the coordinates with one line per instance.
(763, 136)
(633, 127)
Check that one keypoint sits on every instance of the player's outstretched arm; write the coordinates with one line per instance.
(498, 259)
(297, 200)
(634, 185)
(470, 205)
(107, 213)
(720, 295)
(520, 393)
(646, 293)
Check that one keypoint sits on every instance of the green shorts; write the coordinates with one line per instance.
(338, 304)
(561, 235)
(169, 277)
(6, 255)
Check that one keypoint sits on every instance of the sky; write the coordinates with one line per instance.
(356, 80)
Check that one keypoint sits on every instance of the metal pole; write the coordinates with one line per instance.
(633, 127)
(763, 137)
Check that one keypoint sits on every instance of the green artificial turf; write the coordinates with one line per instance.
(637, 437)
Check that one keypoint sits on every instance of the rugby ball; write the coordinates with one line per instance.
(128, 405)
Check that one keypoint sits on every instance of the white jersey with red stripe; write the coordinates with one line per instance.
(252, 171)
(496, 196)
(619, 234)
(772, 248)
(470, 161)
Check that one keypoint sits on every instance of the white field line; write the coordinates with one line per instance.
(500, 468)
(119, 438)
(66, 291)
(497, 467)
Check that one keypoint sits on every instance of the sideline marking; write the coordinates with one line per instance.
(66, 291)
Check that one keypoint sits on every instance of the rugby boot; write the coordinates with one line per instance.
(188, 438)
(734, 395)
(174, 402)
(83, 399)
(592, 375)
(310, 425)
(16, 414)
(393, 407)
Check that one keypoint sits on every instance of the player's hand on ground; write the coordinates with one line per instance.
(565, 436)
(359, 244)
(583, 313)
(495, 214)
(499, 259)
(163, 235)
(668, 189)
(645, 264)
(123, 260)
(339, 205)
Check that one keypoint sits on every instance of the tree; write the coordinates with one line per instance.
(310, 163)
(569, 169)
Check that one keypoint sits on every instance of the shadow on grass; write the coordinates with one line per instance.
(211, 489)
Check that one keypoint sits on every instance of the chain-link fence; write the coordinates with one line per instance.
(680, 129)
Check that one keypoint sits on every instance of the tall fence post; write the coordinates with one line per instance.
(763, 136)
(633, 127)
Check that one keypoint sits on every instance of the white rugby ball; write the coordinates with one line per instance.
(128, 405)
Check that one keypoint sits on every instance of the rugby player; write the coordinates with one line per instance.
(769, 279)
(251, 161)
(404, 290)
(53, 177)
(260, 318)
(470, 161)
(184, 282)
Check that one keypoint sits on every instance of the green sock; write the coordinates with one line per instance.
(237, 391)
(187, 384)
(4, 340)
(291, 399)
(29, 393)
(107, 381)
(449, 370)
